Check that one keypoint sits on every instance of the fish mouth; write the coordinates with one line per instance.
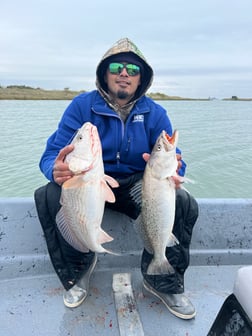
(86, 151)
(171, 139)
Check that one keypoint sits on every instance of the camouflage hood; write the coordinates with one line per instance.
(121, 47)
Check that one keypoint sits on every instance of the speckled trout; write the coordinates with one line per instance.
(83, 196)
(158, 202)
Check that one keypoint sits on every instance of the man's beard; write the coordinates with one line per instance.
(122, 94)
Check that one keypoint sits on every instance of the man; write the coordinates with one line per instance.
(128, 123)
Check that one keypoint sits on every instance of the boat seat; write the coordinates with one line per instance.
(235, 315)
(243, 289)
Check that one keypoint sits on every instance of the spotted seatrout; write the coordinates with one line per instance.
(83, 196)
(158, 202)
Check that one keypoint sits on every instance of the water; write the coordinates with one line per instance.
(215, 137)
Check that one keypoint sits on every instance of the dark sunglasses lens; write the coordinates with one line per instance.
(133, 69)
(117, 68)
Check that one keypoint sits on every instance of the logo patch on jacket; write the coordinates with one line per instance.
(138, 118)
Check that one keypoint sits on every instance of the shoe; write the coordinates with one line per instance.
(78, 293)
(178, 304)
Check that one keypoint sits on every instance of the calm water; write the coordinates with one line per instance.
(215, 137)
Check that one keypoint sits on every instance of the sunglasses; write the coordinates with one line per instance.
(117, 68)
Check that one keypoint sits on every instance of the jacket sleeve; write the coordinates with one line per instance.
(69, 123)
(182, 169)
(48, 157)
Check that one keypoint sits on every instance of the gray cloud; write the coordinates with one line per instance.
(194, 47)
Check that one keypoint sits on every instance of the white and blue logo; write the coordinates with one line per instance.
(138, 118)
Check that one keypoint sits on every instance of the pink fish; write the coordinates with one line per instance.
(83, 196)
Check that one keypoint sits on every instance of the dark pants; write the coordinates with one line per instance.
(70, 264)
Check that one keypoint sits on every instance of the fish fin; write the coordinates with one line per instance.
(104, 237)
(188, 180)
(172, 240)
(73, 182)
(136, 192)
(108, 193)
(183, 179)
(67, 234)
(160, 267)
(111, 181)
(112, 252)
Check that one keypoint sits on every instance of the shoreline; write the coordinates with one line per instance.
(17, 92)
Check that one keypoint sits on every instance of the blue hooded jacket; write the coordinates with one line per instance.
(122, 143)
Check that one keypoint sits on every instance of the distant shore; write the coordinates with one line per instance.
(22, 92)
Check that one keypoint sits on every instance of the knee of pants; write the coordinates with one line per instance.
(185, 216)
(47, 199)
(186, 205)
(53, 198)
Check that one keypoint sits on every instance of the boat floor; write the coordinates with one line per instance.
(34, 306)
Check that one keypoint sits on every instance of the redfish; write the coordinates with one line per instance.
(83, 196)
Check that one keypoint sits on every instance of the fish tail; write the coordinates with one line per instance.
(172, 240)
(160, 267)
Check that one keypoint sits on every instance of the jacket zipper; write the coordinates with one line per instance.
(118, 154)
(128, 145)
(118, 159)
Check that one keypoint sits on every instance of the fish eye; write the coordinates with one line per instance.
(79, 137)
(159, 147)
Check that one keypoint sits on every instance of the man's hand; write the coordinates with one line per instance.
(146, 157)
(177, 179)
(61, 172)
(179, 158)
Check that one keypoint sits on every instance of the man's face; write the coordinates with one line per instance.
(122, 86)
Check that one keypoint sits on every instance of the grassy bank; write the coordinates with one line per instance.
(23, 92)
(29, 93)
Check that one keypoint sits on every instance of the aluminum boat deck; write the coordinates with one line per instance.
(31, 294)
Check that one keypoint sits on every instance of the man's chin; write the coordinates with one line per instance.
(122, 94)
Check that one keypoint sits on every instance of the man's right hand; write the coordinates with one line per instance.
(61, 172)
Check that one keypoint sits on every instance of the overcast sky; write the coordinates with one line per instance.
(196, 48)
